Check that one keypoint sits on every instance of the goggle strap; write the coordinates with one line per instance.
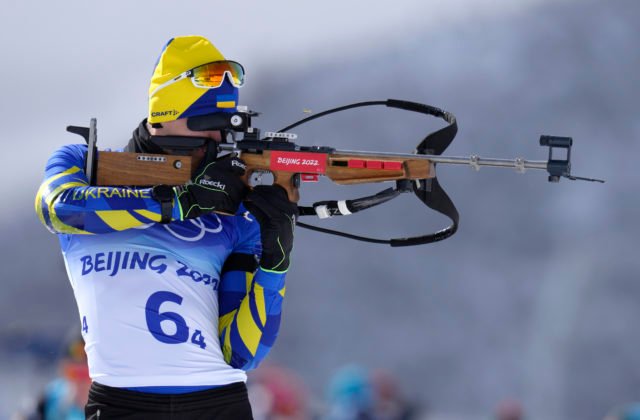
(170, 82)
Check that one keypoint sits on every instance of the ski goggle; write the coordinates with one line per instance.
(210, 75)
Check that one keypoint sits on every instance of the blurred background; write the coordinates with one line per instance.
(529, 311)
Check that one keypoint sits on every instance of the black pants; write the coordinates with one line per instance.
(227, 402)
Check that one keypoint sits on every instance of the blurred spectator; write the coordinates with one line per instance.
(64, 398)
(627, 412)
(389, 404)
(277, 394)
(357, 394)
(350, 395)
(509, 410)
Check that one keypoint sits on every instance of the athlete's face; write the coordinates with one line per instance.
(179, 128)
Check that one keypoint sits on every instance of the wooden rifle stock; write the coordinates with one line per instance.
(340, 168)
(144, 169)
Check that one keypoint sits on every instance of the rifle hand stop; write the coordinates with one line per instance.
(561, 167)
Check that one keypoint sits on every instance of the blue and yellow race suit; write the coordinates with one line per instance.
(175, 305)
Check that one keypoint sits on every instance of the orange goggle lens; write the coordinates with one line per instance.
(211, 75)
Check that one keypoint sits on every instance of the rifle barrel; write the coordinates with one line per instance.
(474, 161)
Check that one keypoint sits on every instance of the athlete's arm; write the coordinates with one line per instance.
(66, 203)
(251, 304)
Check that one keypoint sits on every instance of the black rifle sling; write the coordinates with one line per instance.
(428, 191)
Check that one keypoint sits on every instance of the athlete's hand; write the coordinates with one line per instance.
(277, 216)
(217, 188)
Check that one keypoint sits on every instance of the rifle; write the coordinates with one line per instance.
(291, 164)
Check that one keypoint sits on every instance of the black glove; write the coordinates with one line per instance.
(217, 188)
(277, 216)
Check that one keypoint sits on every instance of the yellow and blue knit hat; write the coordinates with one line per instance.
(182, 99)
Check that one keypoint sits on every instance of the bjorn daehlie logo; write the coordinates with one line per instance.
(164, 113)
